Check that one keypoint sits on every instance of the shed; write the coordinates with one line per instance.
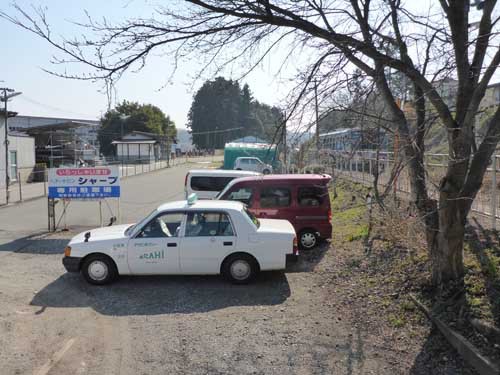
(142, 147)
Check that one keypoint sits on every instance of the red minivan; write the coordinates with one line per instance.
(302, 199)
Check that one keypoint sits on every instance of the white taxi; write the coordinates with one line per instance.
(184, 238)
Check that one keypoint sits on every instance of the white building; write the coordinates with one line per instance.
(21, 155)
(142, 147)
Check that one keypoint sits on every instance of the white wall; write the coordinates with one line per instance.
(2, 153)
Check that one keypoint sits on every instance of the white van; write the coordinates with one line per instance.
(207, 183)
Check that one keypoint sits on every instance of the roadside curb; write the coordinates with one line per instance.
(468, 351)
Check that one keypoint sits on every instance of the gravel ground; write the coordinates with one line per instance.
(52, 322)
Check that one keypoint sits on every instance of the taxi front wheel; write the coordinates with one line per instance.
(99, 270)
(240, 268)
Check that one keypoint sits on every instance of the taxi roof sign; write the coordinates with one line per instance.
(192, 198)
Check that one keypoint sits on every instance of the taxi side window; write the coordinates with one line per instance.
(166, 225)
(203, 224)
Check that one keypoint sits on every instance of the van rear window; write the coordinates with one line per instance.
(209, 183)
(312, 196)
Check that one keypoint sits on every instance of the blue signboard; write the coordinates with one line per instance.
(84, 183)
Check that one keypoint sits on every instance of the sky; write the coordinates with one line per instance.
(25, 55)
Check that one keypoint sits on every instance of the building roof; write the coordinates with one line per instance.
(9, 113)
(131, 142)
(250, 145)
(339, 131)
(201, 204)
(40, 129)
(249, 139)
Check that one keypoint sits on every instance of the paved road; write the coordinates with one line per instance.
(140, 195)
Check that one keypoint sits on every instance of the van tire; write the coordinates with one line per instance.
(308, 239)
(240, 268)
(99, 269)
(238, 169)
(266, 171)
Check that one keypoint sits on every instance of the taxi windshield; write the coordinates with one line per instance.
(140, 224)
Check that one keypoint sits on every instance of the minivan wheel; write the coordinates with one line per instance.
(240, 269)
(266, 171)
(308, 239)
(99, 270)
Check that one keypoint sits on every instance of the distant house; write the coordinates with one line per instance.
(143, 147)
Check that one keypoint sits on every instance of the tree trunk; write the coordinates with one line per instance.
(445, 229)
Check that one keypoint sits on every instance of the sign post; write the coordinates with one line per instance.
(90, 184)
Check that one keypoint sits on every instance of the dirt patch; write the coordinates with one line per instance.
(372, 278)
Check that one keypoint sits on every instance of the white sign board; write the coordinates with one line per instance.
(84, 183)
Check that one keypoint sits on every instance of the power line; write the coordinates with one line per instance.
(33, 101)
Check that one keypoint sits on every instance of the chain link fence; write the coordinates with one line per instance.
(361, 166)
(36, 185)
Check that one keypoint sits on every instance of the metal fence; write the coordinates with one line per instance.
(21, 190)
(360, 166)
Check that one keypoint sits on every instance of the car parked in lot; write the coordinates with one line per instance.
(252, 164)
(207, 183)
(302, 199)
(184, 238)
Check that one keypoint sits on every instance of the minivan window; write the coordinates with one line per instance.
(209, 183)
(311, 196)
(243, 194)
(274, 197)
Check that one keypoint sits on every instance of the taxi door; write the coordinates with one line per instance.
(209, 236)
(155, 249)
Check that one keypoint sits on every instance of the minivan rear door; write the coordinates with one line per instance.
(313, 205)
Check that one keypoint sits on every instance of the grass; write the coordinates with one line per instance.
(349, 211)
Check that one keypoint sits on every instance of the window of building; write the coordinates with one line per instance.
(13, 165)
(275, 197)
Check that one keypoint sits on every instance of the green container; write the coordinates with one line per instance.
(264, 152)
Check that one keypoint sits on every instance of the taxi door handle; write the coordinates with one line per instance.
(228, 243)
(171, 244)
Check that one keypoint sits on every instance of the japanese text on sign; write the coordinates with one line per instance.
(84, 183)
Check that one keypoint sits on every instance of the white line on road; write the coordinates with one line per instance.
(55, 359)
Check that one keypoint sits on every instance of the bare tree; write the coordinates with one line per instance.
(378, 37)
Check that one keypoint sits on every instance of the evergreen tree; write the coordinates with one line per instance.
(132, 116)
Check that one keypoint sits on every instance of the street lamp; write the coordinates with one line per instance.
(123, 118)
(7, 94)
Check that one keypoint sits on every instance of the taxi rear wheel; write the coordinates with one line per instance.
(240, 268)
(99, 270)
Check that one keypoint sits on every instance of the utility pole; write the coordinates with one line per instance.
(285, 156)
(7, 94)
(317, 118)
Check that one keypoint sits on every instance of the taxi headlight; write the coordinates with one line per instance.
(67, 251)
